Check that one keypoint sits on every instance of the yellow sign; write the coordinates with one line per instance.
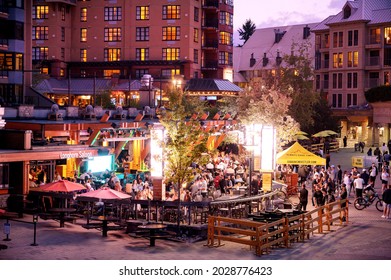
(266, 182)
(357, 162)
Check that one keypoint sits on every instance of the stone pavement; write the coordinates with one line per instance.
(366, 237)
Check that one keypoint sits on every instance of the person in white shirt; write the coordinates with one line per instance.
(359, 185)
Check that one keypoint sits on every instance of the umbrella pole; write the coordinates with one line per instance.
(149, 209)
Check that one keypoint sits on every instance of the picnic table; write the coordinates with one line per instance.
(62, 212)
(154, 232)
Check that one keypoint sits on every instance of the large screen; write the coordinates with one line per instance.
(100, 164)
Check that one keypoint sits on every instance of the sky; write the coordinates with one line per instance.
(269, 13)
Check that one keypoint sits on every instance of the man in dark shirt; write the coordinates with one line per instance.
(365, 176)
(303, 197)
(318, 195)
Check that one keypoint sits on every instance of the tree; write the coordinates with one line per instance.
(248, 28)
(259, 104)
(185, 144)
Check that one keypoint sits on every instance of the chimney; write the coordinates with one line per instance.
(278, 58)
(278, 35)
(265, 60)
(306, 32)
(252, 60)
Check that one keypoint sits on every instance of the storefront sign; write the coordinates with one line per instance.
(80, 154)
(266, 182)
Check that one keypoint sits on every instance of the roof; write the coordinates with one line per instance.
(371, 11)
(84, 86)
(297, 154)
(214, 85)
(263, 42)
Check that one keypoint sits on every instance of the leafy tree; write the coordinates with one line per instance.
(259, 104)
(185, 144)
(248, 28)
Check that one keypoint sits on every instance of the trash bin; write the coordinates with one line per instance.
(356, 147)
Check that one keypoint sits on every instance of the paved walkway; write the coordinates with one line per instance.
(366, 237)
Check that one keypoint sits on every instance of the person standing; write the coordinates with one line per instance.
(373, 172)
(303, 198)
(384, 178)
(386, 203)
(344, 195)
(345, 141)
(359, 185)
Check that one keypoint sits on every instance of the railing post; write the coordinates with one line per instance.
(286, 232)
(35, 220)
(320, 219)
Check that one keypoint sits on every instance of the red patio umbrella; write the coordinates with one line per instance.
(103, 194)
(61, 186)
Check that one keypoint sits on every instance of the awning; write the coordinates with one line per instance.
(297, 154)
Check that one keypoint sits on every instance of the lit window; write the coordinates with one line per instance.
(225, 38)
(40, 12)
(387, 35)
(83, 34)
(113, 35)
(111, 73)
(196, 35)
(142, 12)
(112, 54)
(40, 33)
(170, 53)
(225, 58)
(172, 12)
(169, 73)
(62, 72)
(45, 70)
(142, 54)
(83, 14)
(171, 33)
(40, 53)
(83, 55)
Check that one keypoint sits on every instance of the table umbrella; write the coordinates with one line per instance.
(321, 134)
(61, 186)
(301, 133)
(301, 137)
(103, 194)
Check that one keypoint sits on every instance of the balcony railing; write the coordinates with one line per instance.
(214, 23)
(374, 39)
(210, 3)
(3, 43)
(210, 44)
(210, 64)
(373, 61)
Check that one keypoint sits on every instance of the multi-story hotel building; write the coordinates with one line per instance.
(128, 39)
(352, 55)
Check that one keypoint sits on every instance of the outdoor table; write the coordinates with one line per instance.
(153, 230)
(62, 212)
(105, 220)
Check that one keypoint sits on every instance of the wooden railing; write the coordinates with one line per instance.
(262, 237)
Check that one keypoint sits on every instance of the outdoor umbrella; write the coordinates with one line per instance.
(321, 134)
(301, 137)
(103, 194)
(330, 132)
(230, 171)
(61, 186)
(301, 133)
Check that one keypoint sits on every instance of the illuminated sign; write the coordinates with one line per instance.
(80, 154)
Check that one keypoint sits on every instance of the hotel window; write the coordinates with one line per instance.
(142, 33)
(337, 60)
(142, 54)
(338, 39)
(113, 13)
(352, 81)
(113, 34)
(225, 38)
(352, 99)
(387, 78)
(317, 82)
(83, 14)
(4, 176)
(45, 70)
(225, 58)
(196, 14)
(40, 33)
(353, 59)
(40, 12)
(83, 73)
(170, 54)
(327, 40)
(195, 54)
(226, 18)
(171, 33)
(337, 100)
(337, 80)
(142, 12)
(63, 13)
(63, 34)
(83, 55)
(387, 35)
(196, 35)
(169, 73)
(112, 54)
(62, 53)
(83, 34)
(374, 36)
(141, 72)
(40, 53)
(111, 72)
(171, 12)
(352, 38)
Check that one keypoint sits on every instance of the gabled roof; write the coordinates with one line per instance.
(263, 41)
(216, 86)
(84, 86)
(371, 11)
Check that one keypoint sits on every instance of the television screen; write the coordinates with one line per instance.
(100, 164)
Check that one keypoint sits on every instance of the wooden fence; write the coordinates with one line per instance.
(263, 236)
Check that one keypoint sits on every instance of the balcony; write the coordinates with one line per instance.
(211, 4)
(210, 44)
(210, 65)
(210, 23)
(70, 2)
(374, 42)
(372, 63)
(4, 44)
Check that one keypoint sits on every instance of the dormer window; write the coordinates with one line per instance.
(347, 12)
